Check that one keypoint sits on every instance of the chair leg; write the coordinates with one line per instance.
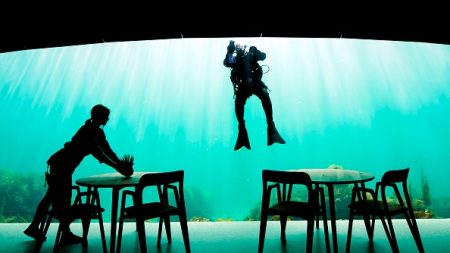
(325, 231)
(372, 228)
(159, 231)
(45, 224)
(283, 221)
(38, 246)
(368, 223)
(119, 235)
(262, 233)
(57, 240)
(141, 234)
(310, 235)
(168, 231)
(390, 234)
(317, 221)
(411, 220)
(349, 233)
(394, 238)
(184, 230)
(102, 233)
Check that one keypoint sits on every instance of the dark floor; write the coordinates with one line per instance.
(236, 237)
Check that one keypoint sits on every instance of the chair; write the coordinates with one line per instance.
(141, 210)
(367, 203)
(86, 207)
(285, 206)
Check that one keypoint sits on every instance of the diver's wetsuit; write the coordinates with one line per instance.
(246, 77)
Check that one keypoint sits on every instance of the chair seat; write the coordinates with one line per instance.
(377, 207)
(77, 212)
(294, 208)
(149, 210)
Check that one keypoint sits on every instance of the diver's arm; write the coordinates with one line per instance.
(230, 59)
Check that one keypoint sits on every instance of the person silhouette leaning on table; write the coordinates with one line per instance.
(90, 139)
(246, 75)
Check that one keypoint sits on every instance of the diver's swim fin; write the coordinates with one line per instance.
(242, 139)
(273, 136)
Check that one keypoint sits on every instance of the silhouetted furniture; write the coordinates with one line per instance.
(286, 205)
(116, 182)
(86, 207)
(330, 178)
(379, 203)
(144, 208)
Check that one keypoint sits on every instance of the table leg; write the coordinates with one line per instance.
(115, 202)
(332, 208)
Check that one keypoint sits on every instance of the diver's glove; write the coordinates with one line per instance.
(126, 165)
(231, 47)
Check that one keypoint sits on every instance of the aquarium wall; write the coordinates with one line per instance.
(353, 104)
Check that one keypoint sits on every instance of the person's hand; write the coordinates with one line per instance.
(231, 47)
(126, 165)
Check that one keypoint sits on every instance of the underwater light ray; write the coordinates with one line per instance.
(198, 85)
(219, 103)
(14, 71)
(363, 104)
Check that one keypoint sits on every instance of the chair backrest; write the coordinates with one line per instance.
(392, 178)
(161, 178)
(287, 179)
(163, 181)
(395, 176)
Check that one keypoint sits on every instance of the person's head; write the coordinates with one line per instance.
(100, 114)
(255, 54)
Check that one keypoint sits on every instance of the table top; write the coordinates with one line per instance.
(111, 180)
(337, 176)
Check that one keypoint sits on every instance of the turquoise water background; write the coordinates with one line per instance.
(362, 104)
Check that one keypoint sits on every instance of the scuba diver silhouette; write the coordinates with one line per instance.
(246, 76)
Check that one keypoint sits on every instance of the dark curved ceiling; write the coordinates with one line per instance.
(22, 30)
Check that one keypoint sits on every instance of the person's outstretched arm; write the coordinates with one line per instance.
(230, 59)
(105, 154)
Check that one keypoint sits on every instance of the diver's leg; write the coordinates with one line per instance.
(239, 103)
(272, 133)
(263, 95)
